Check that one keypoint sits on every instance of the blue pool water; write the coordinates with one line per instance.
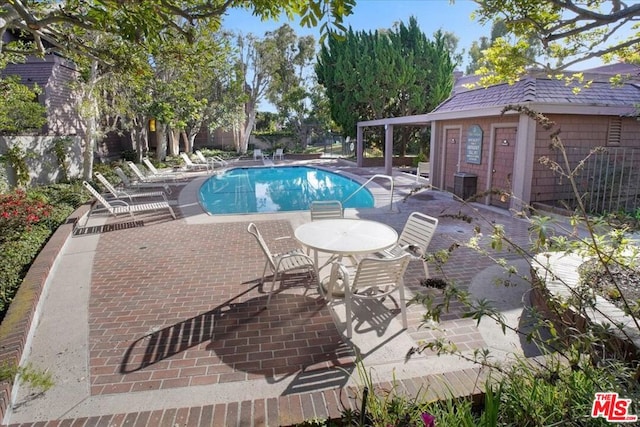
(277, 189)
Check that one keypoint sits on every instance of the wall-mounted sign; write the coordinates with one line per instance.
(474, 145)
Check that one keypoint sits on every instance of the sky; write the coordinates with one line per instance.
(431, 15)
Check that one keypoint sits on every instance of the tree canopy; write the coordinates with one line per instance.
(54, 25)
(569, 31)
(384, 74)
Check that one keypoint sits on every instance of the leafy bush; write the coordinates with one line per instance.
(15, 258)
(27, 220)
(19, 213)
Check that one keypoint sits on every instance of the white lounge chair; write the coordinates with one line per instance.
(119, 194)
(280, 264)
(117, 207)
(374, 278)
(156, 173)
(211, 160)
(137, 185)
(148, 178)
(279, 153)
(414, 239)
(194, 166)
(257, 154)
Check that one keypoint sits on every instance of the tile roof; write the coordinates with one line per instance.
(543, 91)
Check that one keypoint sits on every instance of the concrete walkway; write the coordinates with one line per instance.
(160, 322)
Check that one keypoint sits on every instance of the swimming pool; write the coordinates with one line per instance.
(278, 189)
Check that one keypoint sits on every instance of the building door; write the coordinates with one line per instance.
(451, 157)
(501, 173)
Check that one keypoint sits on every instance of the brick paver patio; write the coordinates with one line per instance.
(175, 305)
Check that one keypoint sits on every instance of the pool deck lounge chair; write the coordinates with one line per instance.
(120, 194)
(257, 154)
(118, 206)
(213, 161)
(194, 166)
(155, 172)
(151, 178)
(137, 185)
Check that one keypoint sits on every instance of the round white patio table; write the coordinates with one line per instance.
(346, 237)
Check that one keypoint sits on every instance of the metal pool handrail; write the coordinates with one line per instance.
(390, 178)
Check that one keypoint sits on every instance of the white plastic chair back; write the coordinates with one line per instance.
(201, 156)
(326, 209)
(253, 230)
(418, 231)
(150, 166)
(98, 196)
(186, 159)
(138, 173)
(383, 274)
(110, 188)
(123, 176)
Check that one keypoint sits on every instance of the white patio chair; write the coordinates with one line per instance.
(128, 183)
(326, 209)
(414, 239)
(374, 278)
(119, 194)
(280, 264)
(279, 153)
(211, 160)
(423, 169)
(194, 166)
(257, 154)
(117, 207)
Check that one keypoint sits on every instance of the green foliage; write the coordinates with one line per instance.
(16, 256)
(38, 379)
(17, 160)
(60, 149)
(385, 74)
(26, 222)
(560, 395)
(564, 43)
(19, 109)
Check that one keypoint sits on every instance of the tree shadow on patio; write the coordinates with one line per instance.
(240, 340)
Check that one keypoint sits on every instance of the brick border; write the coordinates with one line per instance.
(288, 410)
(15, 327)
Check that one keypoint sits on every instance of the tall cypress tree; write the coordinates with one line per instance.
(385, 74)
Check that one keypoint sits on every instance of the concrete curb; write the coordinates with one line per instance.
(23, 311)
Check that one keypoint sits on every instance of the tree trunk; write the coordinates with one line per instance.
(91, 125)
(188, 141)
(161, 141)
(251, 120)
(174, 141)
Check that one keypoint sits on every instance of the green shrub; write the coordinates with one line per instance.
(15, 258)
(27, 221)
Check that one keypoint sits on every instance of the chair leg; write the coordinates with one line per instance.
(273, 287)
(264, 272)
(425, 265)
(347, 308)
(403, 306)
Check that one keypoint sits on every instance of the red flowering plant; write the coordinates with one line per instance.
(19, 212)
